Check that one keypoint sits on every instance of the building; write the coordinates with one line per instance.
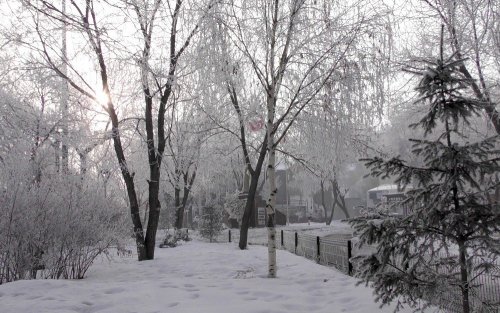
(375, 195)
(387, 195)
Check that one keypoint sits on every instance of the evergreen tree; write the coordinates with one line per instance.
(450, 236)
(211, 222)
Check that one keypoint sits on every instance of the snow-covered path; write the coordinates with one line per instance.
(196, 277)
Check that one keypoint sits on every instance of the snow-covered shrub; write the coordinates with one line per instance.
(170, 241)
(234, 206)
(182, 234)
(211, 222)
(57, 227)
(173, 237)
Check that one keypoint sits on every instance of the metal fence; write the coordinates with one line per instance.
(330, 252)
(307, 247)
(288, 241)
(484, 289)
(336, 251)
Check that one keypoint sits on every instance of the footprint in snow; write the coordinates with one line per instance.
(259, 294)
(246, 273)
(113, 290)
(33, 297)
(250, 298)
(166, 285)
(48, 298)
(346, 300)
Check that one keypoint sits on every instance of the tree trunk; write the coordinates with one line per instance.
(181, 206)
(37, 171)
(334, 203)
(252, 191)
(464, 277)
(271, 173)
(249, 208)
(322, 189)
(271, 203)
(179, 210)
(64, 94)
(254, 173)
(83, 163)
(57, 153)
(141, 242)
(462, 250)
(154, 213)
(339, 198)
(128, 178)
(330, 218)
(185, 197)
(343, 207)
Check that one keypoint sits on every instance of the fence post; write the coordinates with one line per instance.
(229, 235)
(296, 241)
(349, 255)
(317, 249)
(282, 239)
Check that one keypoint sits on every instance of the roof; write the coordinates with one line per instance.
(385, 187)
(391, 187)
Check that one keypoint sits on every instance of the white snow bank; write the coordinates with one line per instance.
(196, 277)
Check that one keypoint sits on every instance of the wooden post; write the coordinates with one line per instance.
(296, 241)
(229, 235)
(349, 255)
(282, 239)
(317, 249)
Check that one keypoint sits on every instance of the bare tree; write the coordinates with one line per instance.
(184, 148)
(278, 67)
(472, 28)
(83, 19)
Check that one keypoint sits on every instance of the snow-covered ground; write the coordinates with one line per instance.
(195, 277)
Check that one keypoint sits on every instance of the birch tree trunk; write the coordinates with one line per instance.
(271, 180)
(64, 94)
